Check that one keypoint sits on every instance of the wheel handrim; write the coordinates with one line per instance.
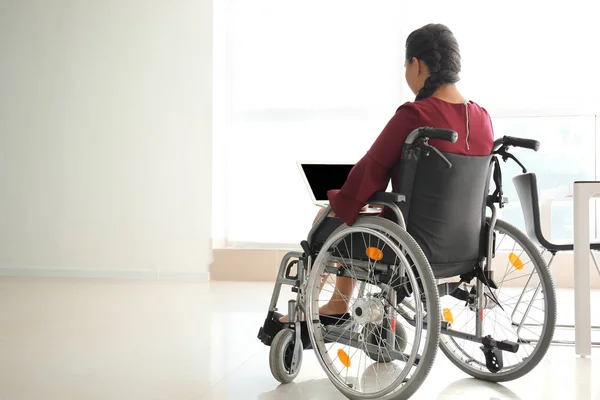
(324, 354)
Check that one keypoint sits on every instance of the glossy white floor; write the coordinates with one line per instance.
(96, 339)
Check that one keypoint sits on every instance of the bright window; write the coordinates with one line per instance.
(320, 79)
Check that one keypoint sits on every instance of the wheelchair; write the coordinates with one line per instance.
(437, 272)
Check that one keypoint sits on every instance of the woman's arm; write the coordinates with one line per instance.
(373, 172)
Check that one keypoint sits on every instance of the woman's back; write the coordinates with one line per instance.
(469, 120)
(432, 68)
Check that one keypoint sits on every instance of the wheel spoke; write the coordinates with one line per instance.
(528, 311)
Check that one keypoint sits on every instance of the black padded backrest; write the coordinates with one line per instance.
(446, 212)
(526, 185)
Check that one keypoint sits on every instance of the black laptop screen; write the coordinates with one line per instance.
(325, 177)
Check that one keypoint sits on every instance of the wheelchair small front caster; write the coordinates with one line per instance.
(281, 356)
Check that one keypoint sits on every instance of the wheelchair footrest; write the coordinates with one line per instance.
(270, 328)
(325, 320)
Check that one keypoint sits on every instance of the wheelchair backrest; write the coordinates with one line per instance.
(445, 209)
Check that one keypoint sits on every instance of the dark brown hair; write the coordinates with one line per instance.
(436, 46)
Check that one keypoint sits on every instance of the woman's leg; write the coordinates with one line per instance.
(338, 303)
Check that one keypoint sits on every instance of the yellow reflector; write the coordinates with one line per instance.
(344, 358)
(515, 261)
(448, 317)
(374, 253)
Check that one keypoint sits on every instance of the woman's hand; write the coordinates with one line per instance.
(373, 208)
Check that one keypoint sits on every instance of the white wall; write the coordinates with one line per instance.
(105, 137)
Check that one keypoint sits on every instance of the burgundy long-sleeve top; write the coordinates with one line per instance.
(375, 169)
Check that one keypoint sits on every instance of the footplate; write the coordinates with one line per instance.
(271, 327)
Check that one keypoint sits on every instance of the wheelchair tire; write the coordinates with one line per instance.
(476, 368)
(280, 356)
(413, 368)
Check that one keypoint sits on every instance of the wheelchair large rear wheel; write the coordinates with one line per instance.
(389, 271)
(525, 312)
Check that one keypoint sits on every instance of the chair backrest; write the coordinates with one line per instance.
(446, 209)
(526, 185)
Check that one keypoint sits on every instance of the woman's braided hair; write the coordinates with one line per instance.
(436, 46)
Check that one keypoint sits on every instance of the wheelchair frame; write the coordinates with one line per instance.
(297, 308)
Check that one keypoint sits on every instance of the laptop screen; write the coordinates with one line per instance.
(325, 177)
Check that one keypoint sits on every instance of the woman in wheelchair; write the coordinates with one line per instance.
(432, 68)
(404, 279)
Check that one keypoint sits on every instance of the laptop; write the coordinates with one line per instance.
(321, 176)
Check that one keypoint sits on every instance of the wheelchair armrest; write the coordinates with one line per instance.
(386, 197)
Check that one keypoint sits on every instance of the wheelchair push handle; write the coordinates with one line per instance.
(420, 138)
(517, 142)
(441, 134)
(524, 143)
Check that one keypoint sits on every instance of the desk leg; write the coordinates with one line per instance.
(581, 250)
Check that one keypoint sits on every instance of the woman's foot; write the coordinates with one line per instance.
(331, 308)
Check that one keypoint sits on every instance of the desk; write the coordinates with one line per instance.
(583, 191)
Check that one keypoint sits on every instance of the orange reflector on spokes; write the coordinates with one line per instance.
(515, 261)
(344, 358)
(448, 317)
(374, 253)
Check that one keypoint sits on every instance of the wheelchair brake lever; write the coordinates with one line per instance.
(439, 153)
(507, 155)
